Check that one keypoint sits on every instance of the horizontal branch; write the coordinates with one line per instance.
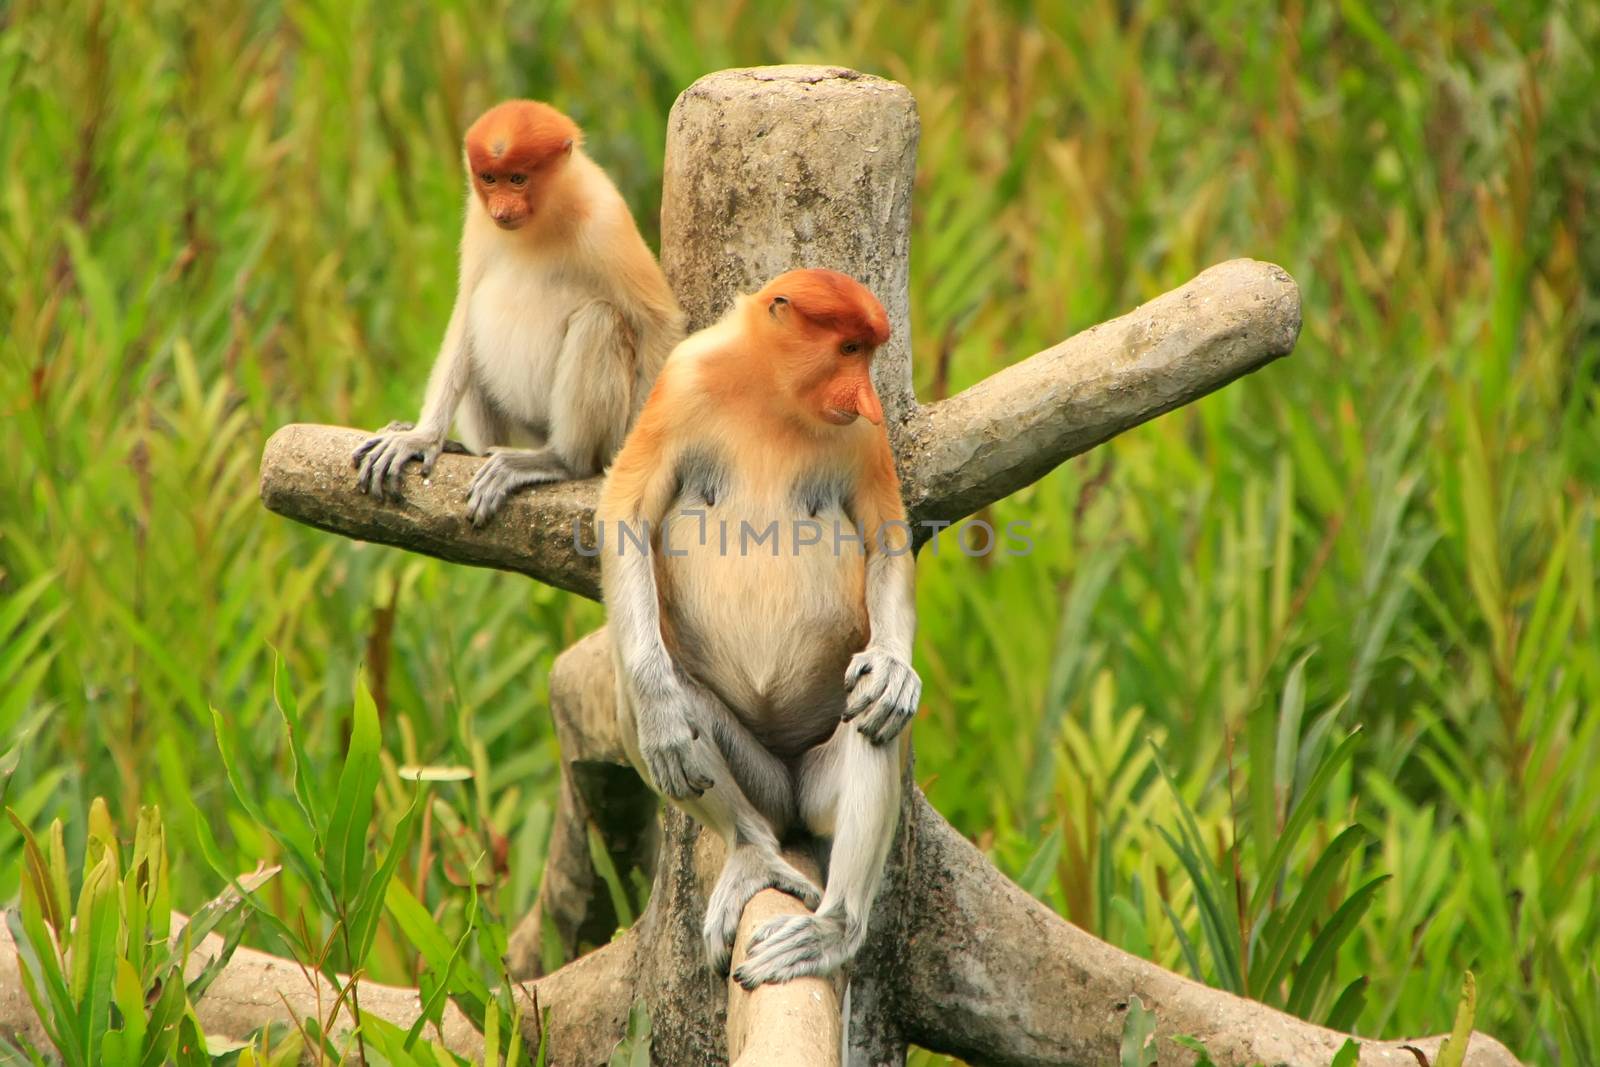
(996, 977)
(307, 476)
(956, 455)
(254, 990)
(1018, 424)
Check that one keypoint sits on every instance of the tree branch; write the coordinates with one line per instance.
(1013, 427)
(254, 990)
(956, 455)
(796, 1024)
(306, 475)
(994, 976)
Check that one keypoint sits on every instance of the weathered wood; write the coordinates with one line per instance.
(306, 475)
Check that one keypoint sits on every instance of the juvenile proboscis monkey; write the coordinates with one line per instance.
(758, 575)
(562, 319)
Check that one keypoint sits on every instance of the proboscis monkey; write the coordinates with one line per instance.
(758, 575)
(562, 319)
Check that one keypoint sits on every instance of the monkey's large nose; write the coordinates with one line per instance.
(867, 405)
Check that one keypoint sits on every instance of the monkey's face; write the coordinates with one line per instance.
(512, 194)
(824, 328)
(516, 152)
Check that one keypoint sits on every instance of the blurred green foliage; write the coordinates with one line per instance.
(217, 218)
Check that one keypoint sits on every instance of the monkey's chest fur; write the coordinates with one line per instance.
(517, 323)
(762, 578)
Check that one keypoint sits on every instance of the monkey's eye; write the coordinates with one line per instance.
(850, 348)
(488, 179)
(518, 179)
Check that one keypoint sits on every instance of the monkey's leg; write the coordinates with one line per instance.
(589, 409)
(750, 804)
(849, 789)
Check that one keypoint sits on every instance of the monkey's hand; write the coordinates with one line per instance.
(886, 688)
(671, 746)
(383, 456)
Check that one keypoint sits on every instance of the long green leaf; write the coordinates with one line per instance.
(1315, 969)
(1298, 819)
(1300, 915)
(425, 934)
(365, 913)
(94, 952)
(306, 796)
(352, 809)
(1453, 1053)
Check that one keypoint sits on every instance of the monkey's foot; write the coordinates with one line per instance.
(748, 871)
(795, 946)
(383, 457)
(505, 473)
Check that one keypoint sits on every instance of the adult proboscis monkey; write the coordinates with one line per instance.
(757, 570)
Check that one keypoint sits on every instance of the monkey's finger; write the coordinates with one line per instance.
(483, 506)
(430, 456)
(700, 781)
(889, 715)
(366, 448)
(864, 696)
(860, 664)
(376, 470)
(662, 771)
(399, 455)
(369, 473)
(483, 495)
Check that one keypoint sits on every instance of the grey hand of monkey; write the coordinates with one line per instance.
(382, 458)
(670, 746)
(886, 688)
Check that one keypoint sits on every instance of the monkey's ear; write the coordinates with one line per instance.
(566, 147)
(779, 308)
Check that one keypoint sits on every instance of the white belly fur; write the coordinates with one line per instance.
(770, 634)
(517, 322)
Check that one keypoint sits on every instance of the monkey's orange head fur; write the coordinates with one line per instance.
(821, 329)
(514, 150)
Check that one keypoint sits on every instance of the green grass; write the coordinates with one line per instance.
(217, 218)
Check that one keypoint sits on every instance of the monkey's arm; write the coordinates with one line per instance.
(632, 505)
(383, 456)
(884, 688)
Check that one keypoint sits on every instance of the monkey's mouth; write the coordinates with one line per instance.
(511, 223)
(840, 417)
